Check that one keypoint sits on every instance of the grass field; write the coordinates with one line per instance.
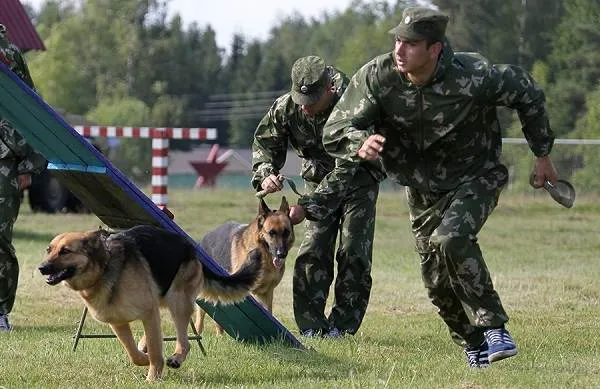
(543, 259)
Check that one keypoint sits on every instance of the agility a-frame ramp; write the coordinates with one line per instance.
(116, 201)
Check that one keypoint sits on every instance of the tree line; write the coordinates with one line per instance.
(125, 62)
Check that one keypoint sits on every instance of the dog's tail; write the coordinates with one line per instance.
(232, 288)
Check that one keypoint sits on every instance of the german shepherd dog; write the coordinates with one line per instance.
(128, 275)
(271, 233)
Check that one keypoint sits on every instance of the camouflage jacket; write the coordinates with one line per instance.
(286, 125)
(441, 134)
(11, 56)
(12, 145)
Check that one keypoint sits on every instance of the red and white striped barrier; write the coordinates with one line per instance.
(160, 148)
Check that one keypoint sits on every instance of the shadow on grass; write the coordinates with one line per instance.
(32, 236)
(275, 363)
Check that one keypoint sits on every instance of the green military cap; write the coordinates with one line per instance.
(420, 23)
(309, 80)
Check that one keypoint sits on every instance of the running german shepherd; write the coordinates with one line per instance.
(271, 233)
(128, 275)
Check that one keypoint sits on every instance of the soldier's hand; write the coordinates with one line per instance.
(24, 181)
(296, 214)
(543, 170)
(271, 184)
(372, 147)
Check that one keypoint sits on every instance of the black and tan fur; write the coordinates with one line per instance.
(271, 233)
(128, 275)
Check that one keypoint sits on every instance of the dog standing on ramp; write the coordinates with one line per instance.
(128, 275)
(271, 233)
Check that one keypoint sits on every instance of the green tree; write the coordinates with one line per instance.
(577, 41)
(52, 12)
(244, 81)
(487, 26)
(587, 157)
(61, 73)
(537, 28)
(369, 35)
(575, 63)
(134, 156)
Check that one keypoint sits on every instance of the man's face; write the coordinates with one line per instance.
(321, 104)
(413, 56)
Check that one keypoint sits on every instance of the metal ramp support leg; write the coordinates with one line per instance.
(79, 335)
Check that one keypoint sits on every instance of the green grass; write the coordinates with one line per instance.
(543, 259)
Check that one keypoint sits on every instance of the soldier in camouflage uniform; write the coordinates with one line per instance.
(17, 161)
(297, 119)
(440, 137)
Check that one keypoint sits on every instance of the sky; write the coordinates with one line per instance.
(253, 18)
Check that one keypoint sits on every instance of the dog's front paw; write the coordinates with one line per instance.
(155, 371)
(140, 359)
(173, 363)
(153, 376)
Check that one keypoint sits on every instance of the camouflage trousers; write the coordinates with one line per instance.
(354, 224)
(454, 272)
(10, 200)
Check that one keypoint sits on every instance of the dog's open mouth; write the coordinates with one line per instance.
(278, 262)
(55, 276)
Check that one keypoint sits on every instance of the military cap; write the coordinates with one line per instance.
(420, 23)
(309, 80)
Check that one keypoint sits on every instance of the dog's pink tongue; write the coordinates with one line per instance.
(277, 262)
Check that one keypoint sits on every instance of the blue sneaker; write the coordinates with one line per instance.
(500, 344)
(478, 357)
(4, 324)
(311, 333)
(334, 333)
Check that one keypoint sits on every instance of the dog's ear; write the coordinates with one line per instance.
(263, 212)
(284, 207)
(95, 241)
(263, 208)
(260, 221)
(103, 232)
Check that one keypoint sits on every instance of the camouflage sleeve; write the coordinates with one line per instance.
(351, 120)
(28, 160)
(22, 70)
(330, 192)
(269, 148)
(348, 126)
(33, 162)
(513, 87)
(12, 57)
